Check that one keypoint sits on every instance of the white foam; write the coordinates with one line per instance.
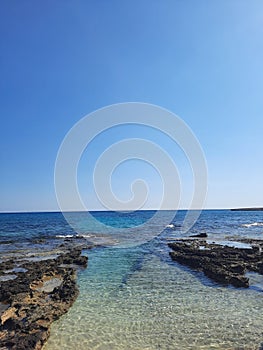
(78, 236)
(64, 236)
(86, 236)
(253, 224)
(170, 226)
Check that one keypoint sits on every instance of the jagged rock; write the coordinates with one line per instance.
(37, 297)
(223, 264)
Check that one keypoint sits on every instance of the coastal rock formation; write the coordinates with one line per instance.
(38, 293)
(247, 209)
(223, 264)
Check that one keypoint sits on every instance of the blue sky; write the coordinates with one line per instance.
(61, 60)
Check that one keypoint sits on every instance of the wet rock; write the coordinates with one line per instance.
(39, 241)
(200, 235)
(223, 264)
(39, 295)
(73, 257)
(239, 281)
(81, 261)
(7, 265)
(260, 268)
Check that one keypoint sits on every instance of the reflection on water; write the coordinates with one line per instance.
(133, 299)
(233, 244)
(7, 277)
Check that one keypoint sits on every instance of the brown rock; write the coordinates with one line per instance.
(223, 264)
(37, 298)
(10, 312)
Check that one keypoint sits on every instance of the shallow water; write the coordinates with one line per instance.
(133, 299)
(137, 298)
(7, 277)
(49, 285)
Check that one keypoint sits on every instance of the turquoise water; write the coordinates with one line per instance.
(130, 302)
(136, 298)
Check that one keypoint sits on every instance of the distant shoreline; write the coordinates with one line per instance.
(247, 209)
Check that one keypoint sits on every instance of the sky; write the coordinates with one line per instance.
(61, 60)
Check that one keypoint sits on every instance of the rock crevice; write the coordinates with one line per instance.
(35, 298)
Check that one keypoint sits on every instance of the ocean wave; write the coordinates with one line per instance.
(253, 224)
(86, 236)
(173, 226)
(75, 236)
(170, 226)
(65, 236)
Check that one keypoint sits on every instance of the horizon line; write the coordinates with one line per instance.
(100, 210)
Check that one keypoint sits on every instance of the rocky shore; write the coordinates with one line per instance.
(34, 292)
(223, 264)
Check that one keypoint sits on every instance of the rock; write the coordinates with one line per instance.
(260, 268)
(81, 261)
(239, 281)
(223, 264)
(200, 235)
(217, 273)
(73, 257)
(39, 241)
(37, 297)
(10, 312)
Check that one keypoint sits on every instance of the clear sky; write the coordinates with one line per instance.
(60, 60)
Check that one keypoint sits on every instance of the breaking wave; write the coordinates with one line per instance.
(253, 224)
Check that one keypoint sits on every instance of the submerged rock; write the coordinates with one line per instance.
(39, 295)
(200, 235)
(223, 264)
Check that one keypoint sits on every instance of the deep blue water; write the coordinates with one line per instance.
(22, 227)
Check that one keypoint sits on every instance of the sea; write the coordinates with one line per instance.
(132, 295)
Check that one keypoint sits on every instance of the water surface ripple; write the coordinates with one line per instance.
(157, 306)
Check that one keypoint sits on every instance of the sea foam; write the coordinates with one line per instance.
(253, 224)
